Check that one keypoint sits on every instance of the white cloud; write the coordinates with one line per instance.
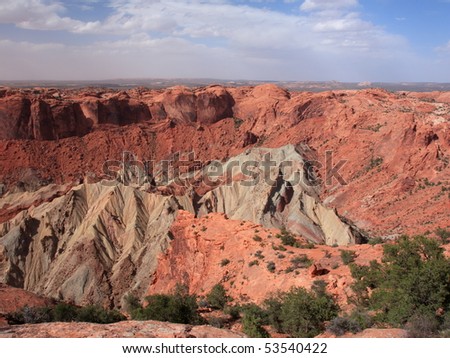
(40, 15)
(209, 38)
(321, 5)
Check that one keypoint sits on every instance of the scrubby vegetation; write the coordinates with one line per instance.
(178, 307)
(355, 322)
(300, 313)
(64, 312)
(287, 238)
(271, 266)
(224, 262)
(253, 320)
(301, 261)
(348, 256)
(410, 286)
(217, 298)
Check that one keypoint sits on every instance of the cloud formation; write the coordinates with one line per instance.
(322, 40)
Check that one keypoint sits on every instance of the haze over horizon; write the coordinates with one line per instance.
(297, 40)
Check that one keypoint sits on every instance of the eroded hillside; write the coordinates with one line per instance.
(371, 163)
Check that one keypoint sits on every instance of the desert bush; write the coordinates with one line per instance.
(357, 321)
(348, 256)
(413, 278)
(254, 317)
(301, 261)
(217, 298)
(278, 248)
(300, 313)
(259, 254)
(303, 313)
(64, 312)
(178, 307)
(308, 245)
(97, 314)
(224, 262)
(273, 306)
(287, 238)
(271, 266)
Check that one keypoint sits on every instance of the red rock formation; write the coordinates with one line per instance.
(391, 142)
(395, 180)
(13, 299)
(214, 249)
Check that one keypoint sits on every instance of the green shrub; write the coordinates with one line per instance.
(253, 263)
(97, 314)
(374, 162)
(348, 256)
(308, 245)
(412, 279)
(217, 298)
(237, 122)
(64, 312)
(300, 313)
(224, 262)
(259, 254)
(257, 238)
(273, 308)
(179, 307)
(271, 266)
(278, 248)
(287, 238)
(253, 320)
(303, 313)
(301, 261)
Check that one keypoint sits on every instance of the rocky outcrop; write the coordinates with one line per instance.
(273, 188)
(49, 116)
(127, 329)
(80, 246)
(390, 143)
(13, 299)
(97, 242)
(249, 260)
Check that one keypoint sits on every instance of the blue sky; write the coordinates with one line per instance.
(344, 40)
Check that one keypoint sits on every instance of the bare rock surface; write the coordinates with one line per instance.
(126, 329)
